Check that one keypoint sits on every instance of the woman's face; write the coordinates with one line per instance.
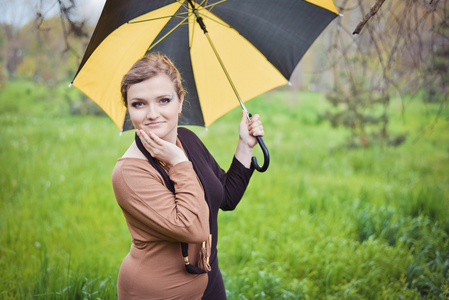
(153, 105)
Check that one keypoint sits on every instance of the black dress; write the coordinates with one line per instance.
(223, 190)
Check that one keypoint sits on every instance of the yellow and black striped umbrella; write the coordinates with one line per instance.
(260, 42)
(247, 48)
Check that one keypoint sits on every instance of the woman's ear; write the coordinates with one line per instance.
(181, 100)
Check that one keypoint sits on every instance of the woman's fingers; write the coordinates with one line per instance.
(149, 141)
(160, 149)
(255, 126)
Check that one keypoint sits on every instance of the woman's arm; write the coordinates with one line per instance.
(237, 178)
(151, 207)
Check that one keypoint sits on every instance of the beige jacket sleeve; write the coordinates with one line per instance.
(151, 208)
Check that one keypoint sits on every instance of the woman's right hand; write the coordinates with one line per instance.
(162, 150)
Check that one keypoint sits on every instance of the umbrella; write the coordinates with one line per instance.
(223, 48)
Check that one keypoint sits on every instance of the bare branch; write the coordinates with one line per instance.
(374, 9)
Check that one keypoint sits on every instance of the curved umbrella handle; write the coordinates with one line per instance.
(266, 156)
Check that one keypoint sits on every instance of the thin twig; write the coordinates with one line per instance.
(374, 9)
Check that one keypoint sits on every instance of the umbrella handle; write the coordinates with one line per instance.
(266, 156)
(264, 148)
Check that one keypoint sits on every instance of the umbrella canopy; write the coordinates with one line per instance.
(259, 41)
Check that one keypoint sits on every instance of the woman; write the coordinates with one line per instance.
(170, 189)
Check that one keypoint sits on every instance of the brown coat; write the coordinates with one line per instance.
(158, 221)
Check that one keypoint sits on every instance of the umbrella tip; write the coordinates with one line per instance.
(289, 83)
(70, 84)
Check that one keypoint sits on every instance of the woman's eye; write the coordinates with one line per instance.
(165, 100)
(137, 104)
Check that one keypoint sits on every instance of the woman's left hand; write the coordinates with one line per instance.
(250, 129)
(162, 150)
(247, 138)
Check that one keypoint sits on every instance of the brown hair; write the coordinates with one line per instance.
(148, 67)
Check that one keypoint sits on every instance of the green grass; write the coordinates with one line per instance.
(322, 223)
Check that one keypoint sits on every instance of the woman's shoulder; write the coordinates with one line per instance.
(131, 172)
(134, 152)
(127, 166)
(132, 162)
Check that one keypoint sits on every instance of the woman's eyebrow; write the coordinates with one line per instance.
(136, 99)
(166, 96)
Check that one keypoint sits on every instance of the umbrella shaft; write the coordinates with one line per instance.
(226, 73)
(199, 19)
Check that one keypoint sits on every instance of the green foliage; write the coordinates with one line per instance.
(321, 223)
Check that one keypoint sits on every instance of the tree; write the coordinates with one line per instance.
(43, 40)
(402, 49)
(11, 19)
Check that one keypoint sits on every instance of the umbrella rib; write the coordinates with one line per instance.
(220, 23)
(211, 5)
(182, 15)
(154, 19)
(178, 15)
(168, 33)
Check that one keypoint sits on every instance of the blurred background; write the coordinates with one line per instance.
(354, 206)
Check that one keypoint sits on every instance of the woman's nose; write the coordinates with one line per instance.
(152, 112)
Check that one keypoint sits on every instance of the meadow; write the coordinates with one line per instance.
(324, 222)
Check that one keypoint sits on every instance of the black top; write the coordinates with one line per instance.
(223, 190)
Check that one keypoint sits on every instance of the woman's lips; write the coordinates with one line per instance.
(153, 124)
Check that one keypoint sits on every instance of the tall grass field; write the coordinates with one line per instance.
(324, 222)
